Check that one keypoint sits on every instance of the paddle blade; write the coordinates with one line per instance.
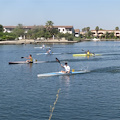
(57, 60)
(22, 57)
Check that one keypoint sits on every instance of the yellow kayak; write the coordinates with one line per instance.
(84, 55)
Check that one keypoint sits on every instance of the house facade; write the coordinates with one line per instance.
(65, 29)
(77, 32)
(9, 29)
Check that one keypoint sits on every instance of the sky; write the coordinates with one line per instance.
(76, 13)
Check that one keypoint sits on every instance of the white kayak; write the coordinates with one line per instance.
(60, 73)
(48, 53)
(41, 47)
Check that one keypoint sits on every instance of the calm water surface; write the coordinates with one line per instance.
(90, 96)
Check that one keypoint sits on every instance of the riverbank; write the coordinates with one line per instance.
(31, 41)
(17, 42)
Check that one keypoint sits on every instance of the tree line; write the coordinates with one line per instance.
(48, 32)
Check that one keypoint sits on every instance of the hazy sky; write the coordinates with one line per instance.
(76, 13)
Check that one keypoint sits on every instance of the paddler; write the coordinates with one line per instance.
(49, 51)
(88, 52)
(67, 68)
(30, 59)
(43, 46)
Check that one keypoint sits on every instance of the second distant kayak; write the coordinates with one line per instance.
(48, 53)
(84, 55)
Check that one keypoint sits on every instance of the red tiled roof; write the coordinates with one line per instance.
(43, 26)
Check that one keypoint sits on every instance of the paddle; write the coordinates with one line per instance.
(58, 60)
(83, 50)
(86, 52)
(22, 57)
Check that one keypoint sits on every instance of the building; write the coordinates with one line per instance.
(65, 29)
(102, 32)
(77, 32)
(9, 29)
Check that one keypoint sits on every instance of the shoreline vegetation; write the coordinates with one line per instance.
(50, 34)
(32, 41)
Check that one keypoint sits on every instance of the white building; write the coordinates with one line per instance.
(65, 29)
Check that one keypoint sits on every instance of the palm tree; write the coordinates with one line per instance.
(88, 29)
(49, 25)
(116, 28)
(97, 29)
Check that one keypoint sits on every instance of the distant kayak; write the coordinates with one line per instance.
(48, 53)
(24, 62)
(41, 47)
(83, 55)
(60, 73)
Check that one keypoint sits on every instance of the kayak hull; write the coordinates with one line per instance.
(84, 55)
(24, 62)
(48, 53)
(60, 73)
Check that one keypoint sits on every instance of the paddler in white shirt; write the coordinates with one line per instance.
(67, 68)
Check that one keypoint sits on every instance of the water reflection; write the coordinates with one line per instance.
(66, 79)
(30, 65)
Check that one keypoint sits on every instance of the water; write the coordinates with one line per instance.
(90, 96)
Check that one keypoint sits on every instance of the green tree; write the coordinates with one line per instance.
(1, 28)
(89, 34)
(106, 35)
(102, 36)
(84, 29)
(111, 35)
(36, 32)
(60, 35)
(87, 29)
(116, 28)
(100, 29)
(69, 36)
(19, 31)
(97, 29)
